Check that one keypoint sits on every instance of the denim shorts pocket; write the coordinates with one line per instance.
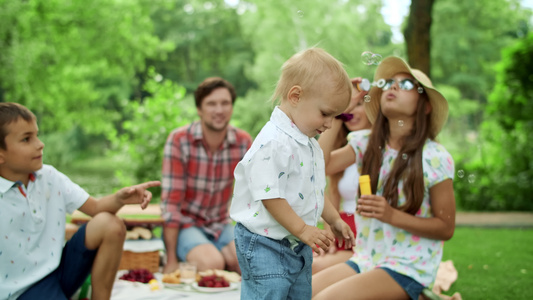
(265, 257)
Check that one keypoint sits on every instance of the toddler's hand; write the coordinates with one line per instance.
(317, 238)
(343, 230)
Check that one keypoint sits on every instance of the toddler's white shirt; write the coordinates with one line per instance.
(281, 163)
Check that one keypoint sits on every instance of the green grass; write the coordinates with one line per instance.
(492, 263)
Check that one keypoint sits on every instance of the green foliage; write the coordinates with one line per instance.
(73, 62)
(152, 120)
(206, 40)
(277, 29)
(503, 165)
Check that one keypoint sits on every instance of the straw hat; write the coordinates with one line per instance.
(391, 66)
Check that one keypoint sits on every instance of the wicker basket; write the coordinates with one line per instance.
(137, 260)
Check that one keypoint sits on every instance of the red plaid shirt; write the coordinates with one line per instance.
(197, 185)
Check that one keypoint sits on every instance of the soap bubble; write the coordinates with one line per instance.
(300, 13)
(460, 173)
(471, 178)
(366, 98)
(370, 58)
(400, 123)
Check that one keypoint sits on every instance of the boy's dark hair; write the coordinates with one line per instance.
(10, 112)
(210, 84)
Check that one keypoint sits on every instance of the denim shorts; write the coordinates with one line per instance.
(190, 237)
(75, 266)
(270, 269)
(411, 286)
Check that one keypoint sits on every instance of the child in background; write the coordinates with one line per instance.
(402, 228)
(35, 262)
(343, 185)
(279, 184)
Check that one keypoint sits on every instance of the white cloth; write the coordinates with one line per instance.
(349, 183)
(32, 227)
(282, 163)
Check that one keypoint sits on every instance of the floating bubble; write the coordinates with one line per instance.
(300, 13)
(405, 156)
(460, 173)
(367, 57)
(400, 123)
(366, 98)
(471, 178)
(376, 59)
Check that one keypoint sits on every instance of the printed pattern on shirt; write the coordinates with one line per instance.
(379, 244)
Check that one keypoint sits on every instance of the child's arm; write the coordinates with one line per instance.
(337, 225)
(335, 160)
(136, 194)
(440, 227)
(283, 213)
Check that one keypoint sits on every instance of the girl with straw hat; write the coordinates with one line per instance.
(403, 225)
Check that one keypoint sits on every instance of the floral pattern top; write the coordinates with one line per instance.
(380, 244)
(282, 163)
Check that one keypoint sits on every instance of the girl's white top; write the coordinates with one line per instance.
(281, 163)
(349, 183)
(380, 244)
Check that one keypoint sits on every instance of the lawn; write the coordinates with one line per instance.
(492, 263)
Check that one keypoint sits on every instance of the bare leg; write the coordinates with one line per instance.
(327, 260)
(206, 256)
(230, 256)
(375, 284)
(106, 232)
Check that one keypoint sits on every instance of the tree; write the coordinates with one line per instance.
(205, 39)
(417, 35)
(73, 62)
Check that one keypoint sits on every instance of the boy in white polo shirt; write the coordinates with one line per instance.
(35, 262)
(279, 184)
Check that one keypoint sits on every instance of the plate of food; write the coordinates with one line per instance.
(215, 289)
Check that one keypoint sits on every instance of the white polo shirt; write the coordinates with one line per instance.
(281, 163)
(32, 227)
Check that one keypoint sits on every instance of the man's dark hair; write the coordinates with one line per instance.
(209, 85)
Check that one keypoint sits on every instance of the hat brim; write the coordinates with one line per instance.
(391, 66)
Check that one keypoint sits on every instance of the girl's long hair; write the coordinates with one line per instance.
(406, 167)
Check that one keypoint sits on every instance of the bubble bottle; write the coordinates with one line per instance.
(364, 185)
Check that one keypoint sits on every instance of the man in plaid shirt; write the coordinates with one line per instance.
(197, 182)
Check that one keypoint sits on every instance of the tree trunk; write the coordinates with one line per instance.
(417, 35)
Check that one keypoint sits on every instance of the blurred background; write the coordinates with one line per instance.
(109, 79)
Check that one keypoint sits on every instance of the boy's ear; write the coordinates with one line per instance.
(294, 94)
